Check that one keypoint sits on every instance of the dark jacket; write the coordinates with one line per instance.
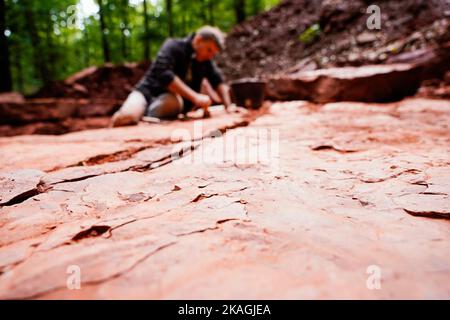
(176, 58)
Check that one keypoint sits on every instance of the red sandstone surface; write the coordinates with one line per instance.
(300, 199)
(348, 186)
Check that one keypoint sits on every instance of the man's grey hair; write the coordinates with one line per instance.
(213, 34)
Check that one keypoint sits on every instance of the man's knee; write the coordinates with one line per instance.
(168, 105)
(131, 111)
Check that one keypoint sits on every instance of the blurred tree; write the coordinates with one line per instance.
(203, 11)
(52, 39)
(146, 32)
(169, 9)
(211, 12)
(239, 9)
(5, 80)
(104, 31)
(124, 27)
(40, 60)
(256, 6)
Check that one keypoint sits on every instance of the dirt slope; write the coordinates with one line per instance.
(270, 42)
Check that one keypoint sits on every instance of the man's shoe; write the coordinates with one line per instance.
(151, 119)
(120, 120)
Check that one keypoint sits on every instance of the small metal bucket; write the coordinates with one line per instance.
(248, 93)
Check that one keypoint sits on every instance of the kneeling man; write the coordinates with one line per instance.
(173, 83)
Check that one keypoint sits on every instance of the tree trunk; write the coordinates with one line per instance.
(124, 13)
(211, 12)
(17, 60)
(87, 60)
(50, 56)
(169, 6)
(105, 45)
(203, 10)
(5, 78)
(38, 54)
(239, 10)
(146, 33)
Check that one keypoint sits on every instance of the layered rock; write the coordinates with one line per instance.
(106, 82)
(298, 201)
(371, 83)
(82, 101)
(376, 83)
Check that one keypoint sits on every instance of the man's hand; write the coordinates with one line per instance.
(224, 92)
(203, 101)
(198, 99)
(206, 113)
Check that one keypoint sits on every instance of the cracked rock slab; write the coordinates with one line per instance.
(302, 222)
(17, 184)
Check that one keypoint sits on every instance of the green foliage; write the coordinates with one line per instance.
(310, 34)
(58, 40)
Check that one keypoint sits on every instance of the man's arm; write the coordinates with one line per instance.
(179, 87)
(224, 92)
(215, 77)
